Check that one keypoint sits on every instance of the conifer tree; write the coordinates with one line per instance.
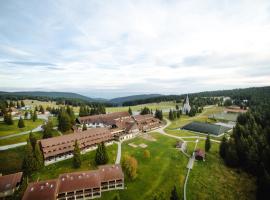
(21, 123)
(26, 115)
(129, 111)
(64, 122)
(101, 156)
(76, 156)
(34, 116)
(171, 117)
(38, 157)
(84, 127)
(174, 195)
(32, 140)
(22, 103)
(223, 146)
(28, 164)
(8, 118)
(207, 145)
(48, 129)
(18, 105)
(41, 109)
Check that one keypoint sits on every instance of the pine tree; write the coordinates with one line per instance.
(18, 105)
(129, 111)
(84, 127)
(48, 129)
(32, 140)
(71, 115)
(171, 117)
(223, 146)
(174, 195)
(207, 145)
(64, 122)
(22, 103)
(41, 109)
(26, 115)
(101, 156)
(8, 119)
(76, 156)
(34, 116)
(178, 114)
(28, 164)
(21, 123)
(38, 157)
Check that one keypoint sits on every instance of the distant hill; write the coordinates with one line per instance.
(68, 95)
(121, 100)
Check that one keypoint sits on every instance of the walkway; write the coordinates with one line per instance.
(119, 152)
(39, 128)
(11, 146)
(189, 166)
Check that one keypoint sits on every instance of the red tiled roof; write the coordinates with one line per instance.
(45, 190)
(104, 118)
(10, 181)
(110, 172)
(65, 143)
(78, 180)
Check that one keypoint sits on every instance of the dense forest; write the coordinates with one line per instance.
(249, 146)
(237, 94)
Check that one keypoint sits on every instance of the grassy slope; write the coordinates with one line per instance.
(23, 138)
(213, 180)
(167, 167)
(153, 106)
(12, 129)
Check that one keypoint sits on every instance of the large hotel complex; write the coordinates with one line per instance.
(105, 128)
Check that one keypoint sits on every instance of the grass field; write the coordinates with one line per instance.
(213, 180)
(137, 108)
(23, 138)
(53, 170)
(167, 167)
(12, 129)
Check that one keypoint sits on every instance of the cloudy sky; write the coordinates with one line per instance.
(121, 47)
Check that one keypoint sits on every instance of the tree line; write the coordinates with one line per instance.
(249, 146)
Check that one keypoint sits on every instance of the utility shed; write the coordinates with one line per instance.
(206, 128)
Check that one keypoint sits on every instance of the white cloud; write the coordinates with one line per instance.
(158, 46)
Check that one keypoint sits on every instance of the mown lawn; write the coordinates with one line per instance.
(137, 108)
(52, 171)
(13, 129)
(23, 138)
(157, 174)
(167, 167)
(213, 180)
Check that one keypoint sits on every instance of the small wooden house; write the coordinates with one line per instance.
(199, 154)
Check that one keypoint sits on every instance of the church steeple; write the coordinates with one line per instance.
(186, 107)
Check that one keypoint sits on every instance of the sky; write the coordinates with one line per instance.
(121, 47)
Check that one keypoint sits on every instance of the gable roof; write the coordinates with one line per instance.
(10, 181)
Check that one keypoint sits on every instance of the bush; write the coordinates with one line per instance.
(130, 166)
(146, 154)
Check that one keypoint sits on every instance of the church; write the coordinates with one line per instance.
(186, 107)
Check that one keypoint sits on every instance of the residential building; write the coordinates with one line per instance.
(9, 184)
(78, 185)
(61, 147)
(147, 122)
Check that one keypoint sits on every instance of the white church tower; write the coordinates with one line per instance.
(186, 107)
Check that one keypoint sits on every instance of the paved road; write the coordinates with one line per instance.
(11, 146)
(119, 152)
